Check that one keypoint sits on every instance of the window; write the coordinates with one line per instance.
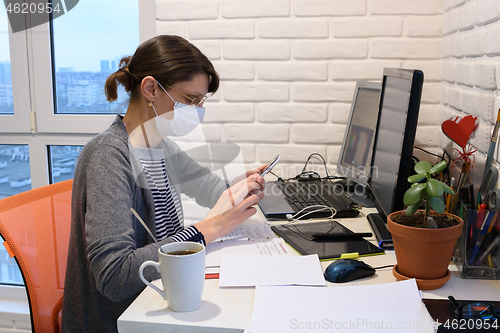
(111, 31)
(6, 100)
(42, 66)
(15, 175)
(62, 161)
(9, 271)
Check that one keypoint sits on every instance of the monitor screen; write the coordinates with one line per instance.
(356, 152)
(393, 147)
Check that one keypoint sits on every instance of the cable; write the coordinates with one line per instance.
(309, 175)
(387, 266)
(441, 157)
(307, 161)
(293, 218)
(278, 177)
(322, 207)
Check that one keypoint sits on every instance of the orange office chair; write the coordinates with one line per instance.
(35, 226)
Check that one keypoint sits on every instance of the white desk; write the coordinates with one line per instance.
(229, 309)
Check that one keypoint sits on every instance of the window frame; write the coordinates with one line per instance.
(47, 120)
(19, 122)
(31, 70)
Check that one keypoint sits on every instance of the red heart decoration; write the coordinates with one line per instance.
(460, 129)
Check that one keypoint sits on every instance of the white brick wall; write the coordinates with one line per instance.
(289, 67)
(470, 69)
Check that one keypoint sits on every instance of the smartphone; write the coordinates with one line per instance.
(270, 166)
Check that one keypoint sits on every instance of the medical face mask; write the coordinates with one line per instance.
(186, 118)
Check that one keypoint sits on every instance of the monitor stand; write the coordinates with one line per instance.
(355, 191)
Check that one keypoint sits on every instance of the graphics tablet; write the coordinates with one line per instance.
(299, 236)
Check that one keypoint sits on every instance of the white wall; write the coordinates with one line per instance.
(470, 69)
(289, 67)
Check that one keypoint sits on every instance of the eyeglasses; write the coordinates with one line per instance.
(475, 310)
(194, 102)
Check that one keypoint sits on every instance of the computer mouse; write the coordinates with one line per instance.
(345, 270)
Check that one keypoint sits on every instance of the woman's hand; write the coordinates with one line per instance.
(257, 171)
(234, 195)
(219, 225)
(233, 207)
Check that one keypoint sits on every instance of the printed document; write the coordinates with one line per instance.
(255, 239)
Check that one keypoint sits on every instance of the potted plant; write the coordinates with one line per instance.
(424, 240)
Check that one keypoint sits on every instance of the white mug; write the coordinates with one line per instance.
(182, 275)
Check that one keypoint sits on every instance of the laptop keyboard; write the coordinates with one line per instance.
(299, 196)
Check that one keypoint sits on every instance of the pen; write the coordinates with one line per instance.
(477, 224)
(491, 234)
(490, 248)
(471, 195)
(211, 276)
(475, 228)
(341, 235)
(481, 237)
(448, 197)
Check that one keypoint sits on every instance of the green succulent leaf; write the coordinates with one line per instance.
(437, 204)
(410, 210)
(414, 194)
(416, 178)
(447, 189)
(438, 167)
(423, 167)
(434, 188)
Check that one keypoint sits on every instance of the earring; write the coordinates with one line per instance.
(150, 104)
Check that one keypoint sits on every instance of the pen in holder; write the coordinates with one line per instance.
(477, 254)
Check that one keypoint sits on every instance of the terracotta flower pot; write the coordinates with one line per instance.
(423, 253)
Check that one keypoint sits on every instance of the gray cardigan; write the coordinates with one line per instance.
(107, 244)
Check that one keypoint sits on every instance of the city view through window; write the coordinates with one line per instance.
(6, 100)
(88, 44)
(80, 92)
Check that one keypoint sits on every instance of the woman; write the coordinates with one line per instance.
(133, 164)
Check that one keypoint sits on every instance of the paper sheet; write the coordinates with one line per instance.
(248, 232)
(390, 307)
(252, 270)
(252, 240)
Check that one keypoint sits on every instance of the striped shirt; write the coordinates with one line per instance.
(168, 211)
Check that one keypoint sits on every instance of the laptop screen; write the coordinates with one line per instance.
(356, 152)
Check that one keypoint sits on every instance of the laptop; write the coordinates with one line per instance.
(356, 153)
(282, 199)
(292, 198)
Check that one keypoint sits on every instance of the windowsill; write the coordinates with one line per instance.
(14, 304)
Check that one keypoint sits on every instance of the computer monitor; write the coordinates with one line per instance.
(356, 152)
(393, 147)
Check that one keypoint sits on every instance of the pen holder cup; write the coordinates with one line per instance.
(477, 253)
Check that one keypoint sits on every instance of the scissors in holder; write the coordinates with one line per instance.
(489, 193)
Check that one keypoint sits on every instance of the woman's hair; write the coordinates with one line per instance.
(169, 59)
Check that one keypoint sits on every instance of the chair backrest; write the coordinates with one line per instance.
(35, 226)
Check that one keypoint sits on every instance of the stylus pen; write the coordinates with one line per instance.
(341, 235)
